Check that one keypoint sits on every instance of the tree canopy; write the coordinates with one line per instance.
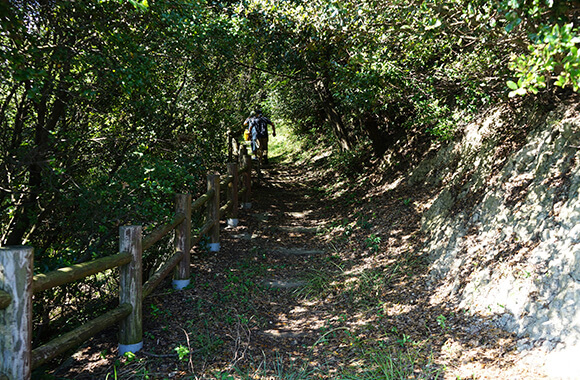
(109, 107)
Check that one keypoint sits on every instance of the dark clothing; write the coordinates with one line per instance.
(259, 126)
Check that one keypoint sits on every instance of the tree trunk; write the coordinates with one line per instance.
(338, 128)
(378, 139)
(24, 217)
(27, 214)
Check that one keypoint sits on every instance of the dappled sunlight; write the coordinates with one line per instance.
(419, 194)
(321, 285)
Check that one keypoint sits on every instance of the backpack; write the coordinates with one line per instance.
(259, 124)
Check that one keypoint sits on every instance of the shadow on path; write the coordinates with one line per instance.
(317, 280)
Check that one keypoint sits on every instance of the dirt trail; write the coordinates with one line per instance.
(241, 308)
(310, 284)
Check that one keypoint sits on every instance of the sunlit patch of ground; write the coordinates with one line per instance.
(367, 305)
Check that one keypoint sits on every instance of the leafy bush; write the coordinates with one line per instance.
(552, 53)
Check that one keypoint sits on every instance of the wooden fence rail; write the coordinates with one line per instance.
(18, 284)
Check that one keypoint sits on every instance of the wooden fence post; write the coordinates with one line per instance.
(233, 146)
(16, 274)
(230, 144)
(213, 211)
(247, 162)
(233, 194)
(183, 241)
(131, 289)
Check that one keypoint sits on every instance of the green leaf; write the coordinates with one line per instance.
(435, 25)
(521, 91)
(561, 82)
(513, 85)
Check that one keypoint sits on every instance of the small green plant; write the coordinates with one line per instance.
(129, 356)
(348, 231)
(368, 288)
(373, 242)
(442, 322)
(223, 376)
(318, 282)
(390, 363)
(182, 352)
(158, 312)
(230, 320)
(155, 311)
(403, 340)
(203, 340)
(114, 372)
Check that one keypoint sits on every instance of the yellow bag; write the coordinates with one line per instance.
(247, 135)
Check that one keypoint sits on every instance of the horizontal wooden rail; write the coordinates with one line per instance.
(5, 300)
(226, 181)
(163, 272)
(206, 227)
(225, 209)
(161, 231)
(75, 272)
(202, 200)
(202, 231)
(131, 289)
(73, 338)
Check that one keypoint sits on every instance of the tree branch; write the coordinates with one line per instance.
(294, 77)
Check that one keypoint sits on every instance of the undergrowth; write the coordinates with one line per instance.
(215, 328)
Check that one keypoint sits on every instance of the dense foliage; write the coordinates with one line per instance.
(107, 108)
(374, 71)
(106, 112)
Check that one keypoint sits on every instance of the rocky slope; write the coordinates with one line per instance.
(503, 231)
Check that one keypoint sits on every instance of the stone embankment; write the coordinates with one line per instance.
(504, 230)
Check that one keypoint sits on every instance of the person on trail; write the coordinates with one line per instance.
(258, 127)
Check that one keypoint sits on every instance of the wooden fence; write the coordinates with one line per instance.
(18, 283)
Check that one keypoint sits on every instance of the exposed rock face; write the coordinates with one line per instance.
(504, 233)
